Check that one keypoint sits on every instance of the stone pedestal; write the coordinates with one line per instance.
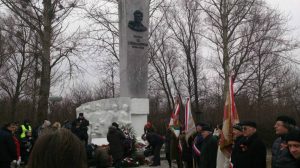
(123, 110)
(139, 112)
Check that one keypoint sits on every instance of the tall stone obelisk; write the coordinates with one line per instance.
(134, 22)
(133, 33)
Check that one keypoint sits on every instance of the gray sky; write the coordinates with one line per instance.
(291, 8)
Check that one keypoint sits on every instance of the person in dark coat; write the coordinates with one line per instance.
(83, 127)
(198, 139)
(26, 146)
(115, 139)
(8, 151)
(252, 151)
(237, 136)
(208, 148)
(293, 141)
(187, 151)
(168, 146)
(155, 141)
(281, 157)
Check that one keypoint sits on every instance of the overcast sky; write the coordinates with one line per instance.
(290, 8)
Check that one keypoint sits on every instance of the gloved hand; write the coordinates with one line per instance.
(216, 132)
(19, 161)
(13, 163)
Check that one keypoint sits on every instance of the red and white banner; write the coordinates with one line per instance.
(174, 121)
(189, 126)
(230, 118)
(175, 116)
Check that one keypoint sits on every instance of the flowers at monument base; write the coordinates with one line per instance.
(130, 162)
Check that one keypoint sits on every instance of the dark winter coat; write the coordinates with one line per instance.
(281, 158)
(8, 150)
(208, 156)
(187, 151)
(115, 139)
(154, 139)
(251, 153)
(235, 149)
(81, 131)
(26, 146)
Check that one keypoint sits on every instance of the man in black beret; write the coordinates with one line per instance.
(237, 133)
(251, 151)
(208, 147)
(293, 141)
(281, 157)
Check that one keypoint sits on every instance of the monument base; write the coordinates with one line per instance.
(123, 110)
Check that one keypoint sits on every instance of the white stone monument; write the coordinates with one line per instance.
(134, 21)
(133, 106)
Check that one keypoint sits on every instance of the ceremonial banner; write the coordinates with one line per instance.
(174, 121)
(189, 121)
(230, 118)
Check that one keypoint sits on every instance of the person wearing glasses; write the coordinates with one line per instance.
(281, 157)
(251, 151)
(237, 132)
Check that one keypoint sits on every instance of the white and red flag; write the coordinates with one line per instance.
(230, 118)
(189, 126)
(174, 121)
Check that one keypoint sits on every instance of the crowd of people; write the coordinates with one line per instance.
(53, 145)
(200, 150)
(18, 142)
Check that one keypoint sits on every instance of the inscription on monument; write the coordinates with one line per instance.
(138, 42)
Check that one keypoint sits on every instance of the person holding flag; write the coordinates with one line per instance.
(226, 138)
(237, 136)
(174, 126)
(187, 136)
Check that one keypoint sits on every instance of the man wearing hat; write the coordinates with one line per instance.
(237, 136)
(251, 151)
(208, 148)
(293, 141)
(82, 126)
(281, 157)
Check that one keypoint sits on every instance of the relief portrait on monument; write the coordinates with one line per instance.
(136, 24)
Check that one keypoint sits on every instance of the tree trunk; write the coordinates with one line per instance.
(45, 74)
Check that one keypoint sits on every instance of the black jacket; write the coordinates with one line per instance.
(154, 139)
(80, 128)
(115, 138)
(208, 149)
(8, 151)
(235, 149)
(251, 153)
(281, 157)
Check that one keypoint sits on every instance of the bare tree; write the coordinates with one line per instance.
(45, 18)
(163, 63)
(16, 72)
(184, 20)
(226, 20)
